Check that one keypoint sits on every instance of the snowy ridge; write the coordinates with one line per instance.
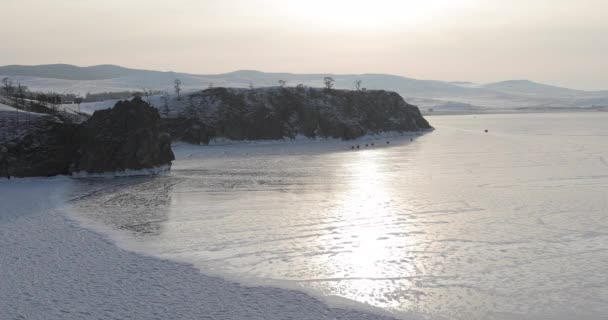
(436, 94)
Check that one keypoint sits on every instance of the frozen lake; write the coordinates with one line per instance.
(456, 224)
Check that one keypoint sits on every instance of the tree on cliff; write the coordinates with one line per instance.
(328, 82)
(147, 94)
(165, 100)
(7, 86)
(78, 101)
(55, 102)
(20, 96)
(358, 85)
(177, 84)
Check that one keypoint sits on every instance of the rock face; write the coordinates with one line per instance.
(45, 150)
(187, 129)
(277, 113)
(126, 137)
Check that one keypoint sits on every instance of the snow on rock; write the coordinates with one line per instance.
(89, 107)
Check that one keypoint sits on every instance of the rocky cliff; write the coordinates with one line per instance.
(277, 113)
(126, 137)
(43, 147)
(130, 135)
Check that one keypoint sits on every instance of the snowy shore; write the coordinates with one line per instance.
(54, 269)
(457, 224)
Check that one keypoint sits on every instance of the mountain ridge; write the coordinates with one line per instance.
(428, 94)
(111, 71)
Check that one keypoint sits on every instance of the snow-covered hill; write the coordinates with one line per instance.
(526, 87)
(440, 95)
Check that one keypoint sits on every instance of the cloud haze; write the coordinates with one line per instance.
(560, 42)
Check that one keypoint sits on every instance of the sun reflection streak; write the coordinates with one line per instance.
(365, 202)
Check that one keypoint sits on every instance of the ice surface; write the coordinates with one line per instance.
(52, 269)
(455, 224)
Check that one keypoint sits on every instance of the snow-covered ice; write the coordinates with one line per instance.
(453, 224)
(53, 269)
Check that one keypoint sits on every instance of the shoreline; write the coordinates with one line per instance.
(512, 111)
(55, 268)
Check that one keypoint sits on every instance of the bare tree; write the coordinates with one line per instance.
(358, 85)
(328, 82)
(5, 82)
(177, 85)
(20, 96)
(165, 98)
(7, 85)
(55, 102)
(282, 83)
(250, 85)
(147, 94)
(78, 101)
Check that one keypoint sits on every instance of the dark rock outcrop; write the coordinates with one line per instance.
(45, 150)
(127, 136)
(277, 113)
(187, 129)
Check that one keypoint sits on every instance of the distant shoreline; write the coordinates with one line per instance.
(514, 111)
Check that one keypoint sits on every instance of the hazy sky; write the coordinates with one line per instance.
(563, 42)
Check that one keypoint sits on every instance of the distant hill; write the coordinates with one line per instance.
(443, 95)
(71, 72)
(527, 87)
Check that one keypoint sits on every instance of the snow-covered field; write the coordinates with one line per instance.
(454, 224)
